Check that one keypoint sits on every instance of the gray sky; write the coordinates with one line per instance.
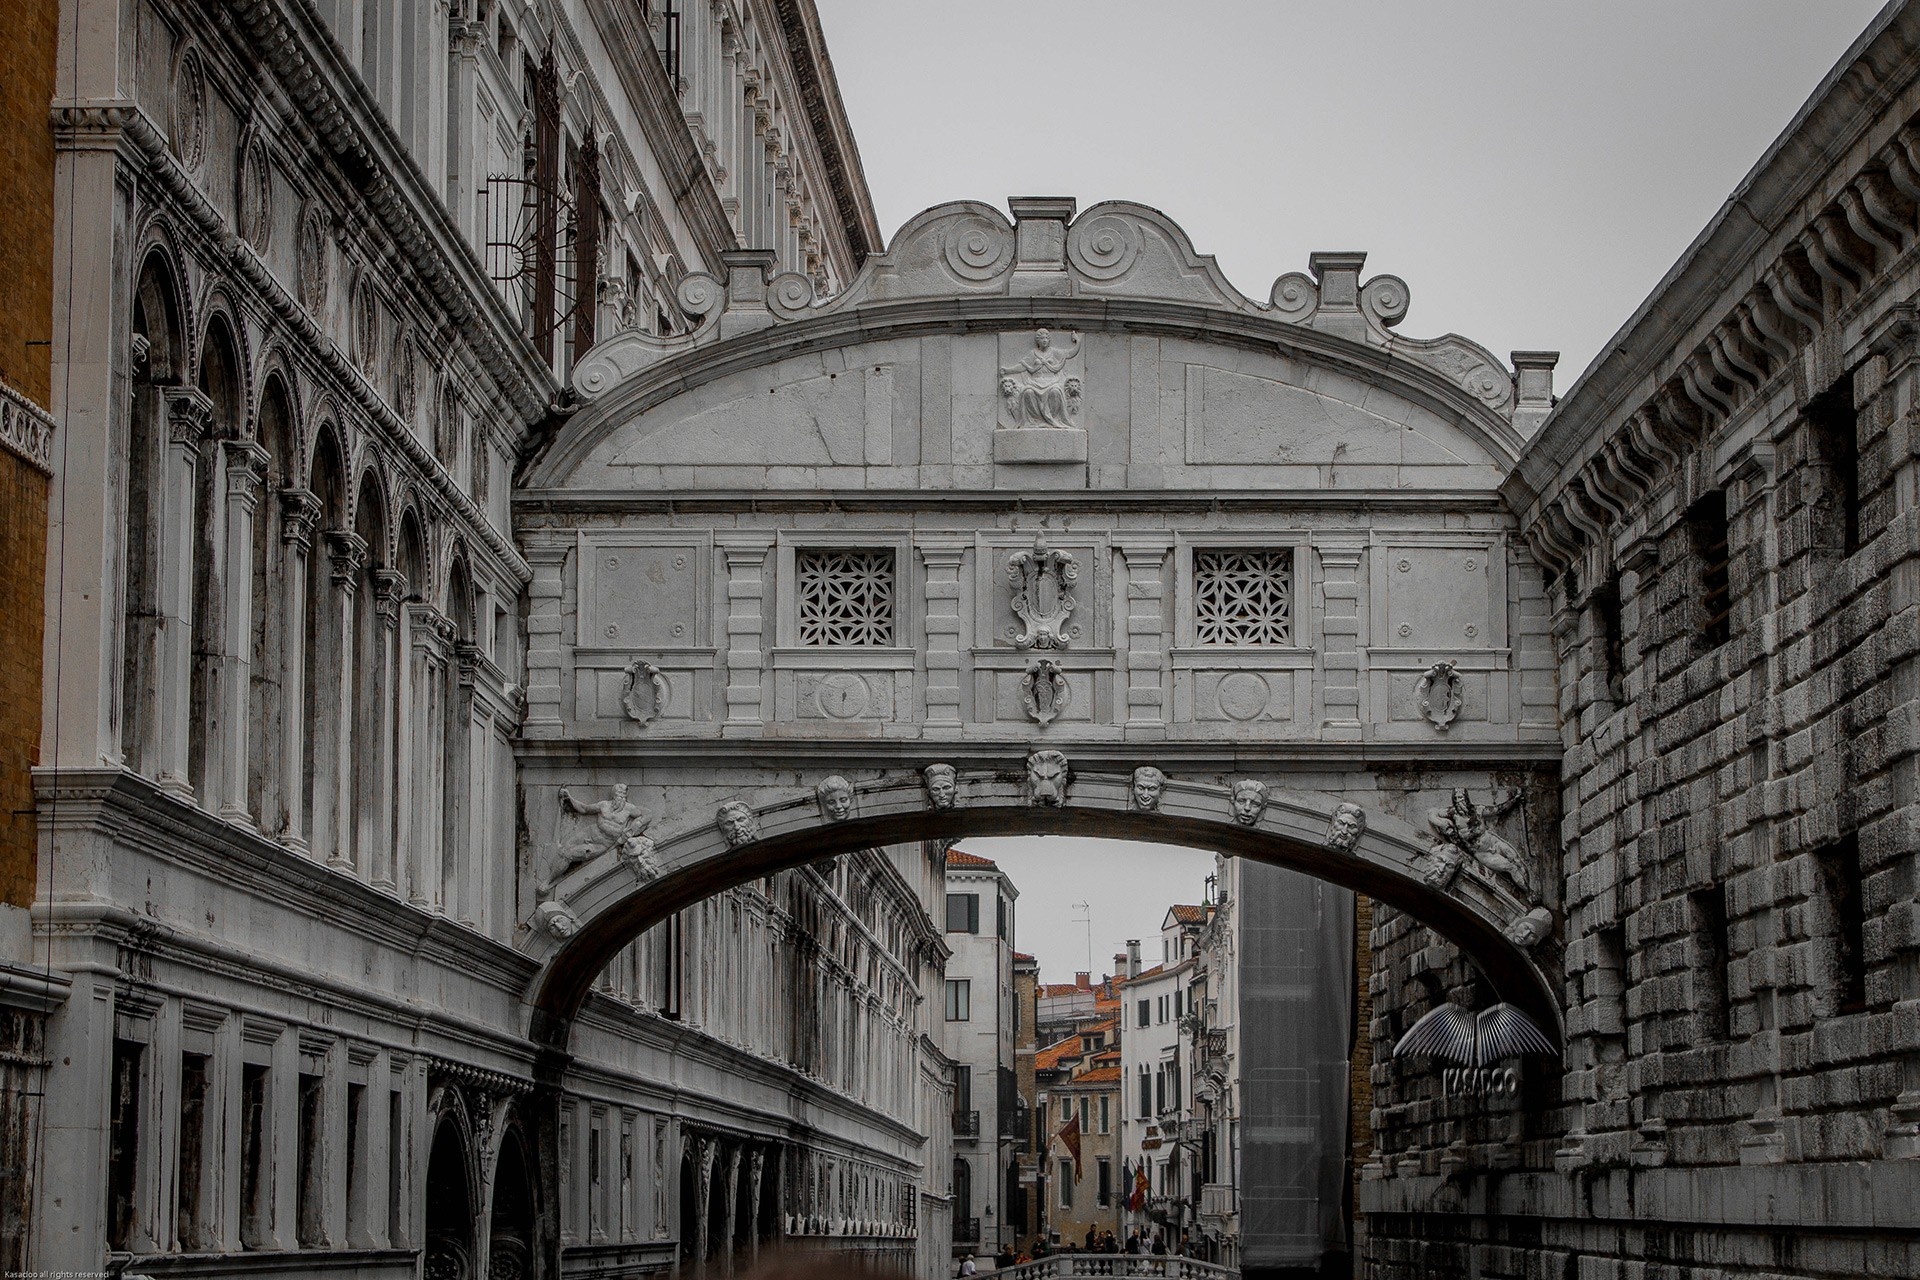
(1531, 170)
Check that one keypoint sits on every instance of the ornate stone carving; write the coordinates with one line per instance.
(1104, 247)
(1462, 833)
(976, 249)
(189, 415)
(364, 315)
(643, 709)
(1041, 579)
(1148, 784)
(616, 826)
(845, 598)
(554, 920)
(1249, 801)
(1047, 776)
(316, 228)
(737, 823)
(1044, 691)
(253, 195)
(1531, 929)
(406, 379)
(190, 110)
(1037, 391)
(1344, 829)
(1439, 694)
(346, 556)
(943, 786)
(836, 798)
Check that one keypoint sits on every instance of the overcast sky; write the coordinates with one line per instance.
(1531, 170)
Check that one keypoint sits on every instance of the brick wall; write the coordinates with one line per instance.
(23, 559)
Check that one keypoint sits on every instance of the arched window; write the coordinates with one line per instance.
(325, 655)
(371, 689)
(417, 719)
(220, 381)
(459, 862)
(272, 629)
(155, 364)
(962, 1192)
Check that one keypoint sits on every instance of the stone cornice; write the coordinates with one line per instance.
(1804, 249)
(1193, 757)
(832, 132)
(532, 504)
(142, 143)
(309, 63)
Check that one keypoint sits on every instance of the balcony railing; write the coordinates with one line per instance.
(966, 1124)
(966, 1231)
(1121, 1264)
(1216, 1200)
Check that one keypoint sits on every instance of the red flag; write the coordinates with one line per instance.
(1141, 1186)
(1070, 1139)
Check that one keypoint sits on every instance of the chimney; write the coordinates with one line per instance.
(1119, 965)
(1083, 980)
(1133, 957)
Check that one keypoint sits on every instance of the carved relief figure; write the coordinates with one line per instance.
(1439, 694)
(1344, 829)
(1461, 832)
(617, 826)
(1531, 929)
(1041, 579)
(1044, 691)
(737, 823)
(1148, 783)
(644, 709)
(556, 921)
(836, 799)
(943, 785)
(1036, 391)
(1047, 778)
(1249, 801)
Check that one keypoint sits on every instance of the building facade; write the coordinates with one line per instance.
(1077, 1109)
(980, 1034)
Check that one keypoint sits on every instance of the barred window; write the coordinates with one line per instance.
(846, 598)
(1243, 597)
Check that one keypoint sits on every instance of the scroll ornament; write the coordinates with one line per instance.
(643, 709)
(1041, 579)
(1439, 693)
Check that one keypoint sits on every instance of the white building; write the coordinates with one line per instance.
(1156, 1065)
(980, 1036)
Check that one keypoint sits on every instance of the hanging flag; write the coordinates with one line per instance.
(1070, 1139)
(1141, 1186)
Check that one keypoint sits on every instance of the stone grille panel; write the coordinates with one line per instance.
(1243, 597)
(846, 598)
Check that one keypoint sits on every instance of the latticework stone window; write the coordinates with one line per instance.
(1243, 597)
(846, 598)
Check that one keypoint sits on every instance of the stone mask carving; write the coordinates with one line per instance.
(1047, 775)
(1041, 579)
(1148, 783)
(1044, 691)
(1344, 829)
(1249, 801)
(616, 825)
(836, 799)
(556, 921)
(737, 823)
(943, 786)
(1531, 929)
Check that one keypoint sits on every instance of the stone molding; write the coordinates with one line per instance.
(26, 430)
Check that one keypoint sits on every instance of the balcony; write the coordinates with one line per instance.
(1216, 1201)
(966, 1231)
(966, 1124)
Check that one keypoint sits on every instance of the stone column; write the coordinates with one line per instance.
(299, 510)
(189, 416)
(943, 631)
(547, 643)
(431, 634)
(730, 1218)
(393, 776)
(246, 472)
(466, 839)
(1146, 636)
(1340, 626)
(746, 629)
(347, 556)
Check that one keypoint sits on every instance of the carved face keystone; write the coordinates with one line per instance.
(1148, 782)
(943, 786)
(836, 799)
(1249, 801)
(1348, 825)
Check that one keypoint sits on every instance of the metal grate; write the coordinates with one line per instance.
(1243, 597)
(846, 598)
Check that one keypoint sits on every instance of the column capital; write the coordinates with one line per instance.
(189, 414)
(348, 553)
(246, 469)
(299, 512)
(389, 591)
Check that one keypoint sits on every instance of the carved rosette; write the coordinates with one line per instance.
(1439, 694)
(1104, 247)
(1044, 691)
(190, 110)
(976, 250)
(365, 314)
(253, 195)
(1040, 580)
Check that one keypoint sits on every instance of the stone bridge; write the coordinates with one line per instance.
(1040, 526)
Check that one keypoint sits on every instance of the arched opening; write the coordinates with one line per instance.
(462, 886)
(273, 630)
(689, 1208)
(330, 568)
(155, 364)
(220, 382)
(369, 679)
(716, 1221)
(512, 1228)
(743, 1218)
(449, 1221)
(769, 1228)
(413, 779)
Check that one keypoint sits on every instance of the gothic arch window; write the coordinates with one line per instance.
(220, 382)
(329, 575)
(154, 364)
(449, 1223)
(272, 629)
(372, 687)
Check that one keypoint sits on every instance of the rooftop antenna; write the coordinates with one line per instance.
(1088, 909)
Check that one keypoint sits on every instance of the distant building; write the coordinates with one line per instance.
(1078, 1112)
(1156, 1062)
(1025, 1212)
(979, 1035)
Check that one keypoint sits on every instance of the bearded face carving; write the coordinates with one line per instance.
(1047, 778)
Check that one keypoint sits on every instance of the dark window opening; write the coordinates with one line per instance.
(396, 1162)
(1708, 908)
(190, 1217)
(1835, 424)
(310, 1229)
(963, 913)
(1605, 603)
(356, 1154)
(1840, 871)
(1707, 523)
(123, 1150)
(256, 1191)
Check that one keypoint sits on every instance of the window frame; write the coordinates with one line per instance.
(972, 913)
(786, 592)
(963, 987)
(1186, 588)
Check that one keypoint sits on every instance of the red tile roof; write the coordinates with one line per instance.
(1050, 1058)
(961, 858)
(1188, 914)
(1018, 955)
(1099, 1075)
